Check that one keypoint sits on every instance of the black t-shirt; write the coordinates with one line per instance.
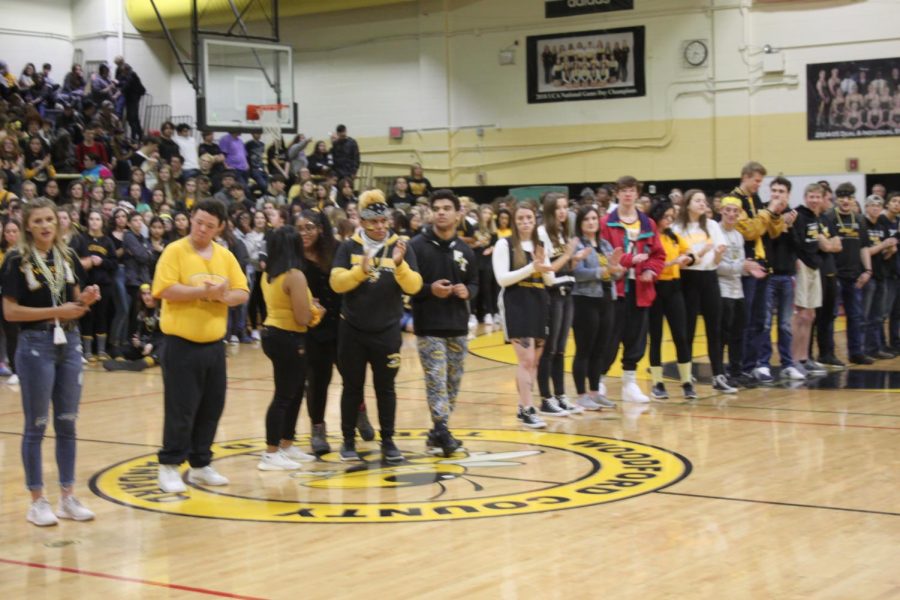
(852, 231)
(829, 265)
(419, 187)
(877, 233)
(14, 284)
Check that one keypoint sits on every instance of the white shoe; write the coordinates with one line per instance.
(602, 387)
(294, 453)
(473, 322)
(586, 403)
(170, 480)
(207, 476)
(276, 461)
(41, 514)
(13, 380)
(254, 335)
(234, 340)
(70, 508)
(793, 373)
(489, 320)
(631, 392)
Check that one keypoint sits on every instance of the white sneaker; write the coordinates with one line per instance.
(170, 480)
(207, 476)
(70, 508)
(41, 514)
(234, 340)
(793, 373)
(473, 322)
(489, 320)
(13, 380)
(294, 453)
(602, 388)
(631, 392)
(276, 461)
(585, 402)
(254, 335)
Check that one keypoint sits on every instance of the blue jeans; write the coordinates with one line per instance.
(873, 298)
(757, 316)
(780, 296)
(851, 297)
(49, 373)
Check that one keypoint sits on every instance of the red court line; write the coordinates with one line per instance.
(782, 422)
(171, 586)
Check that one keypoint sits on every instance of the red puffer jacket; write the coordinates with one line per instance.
(647, 242)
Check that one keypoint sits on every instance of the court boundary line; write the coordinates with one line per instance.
(171, 586)
(770, 421)
(777, 503)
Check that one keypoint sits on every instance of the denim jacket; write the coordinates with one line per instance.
(589, 271)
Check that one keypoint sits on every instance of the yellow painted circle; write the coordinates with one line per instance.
(500, 473)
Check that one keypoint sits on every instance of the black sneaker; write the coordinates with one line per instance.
(319, 440)
(861, 359)
(720, 384)
(887, 350)
(441, 442)
(659, 392)
(530, 418)
(348, 452)
(689, 392)
(830, 360)
(744, 380)
(390, 452)
(551, 408)
(882, 355)
(366, 432)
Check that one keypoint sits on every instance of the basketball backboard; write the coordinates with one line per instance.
(236, 74)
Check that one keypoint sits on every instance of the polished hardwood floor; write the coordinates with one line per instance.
(772, 493)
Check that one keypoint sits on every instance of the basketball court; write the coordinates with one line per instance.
(774, 492)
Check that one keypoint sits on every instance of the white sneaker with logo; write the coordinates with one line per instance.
(207, 476)
(70, 508)
(41, 514)
(170, 479)
(276, 461)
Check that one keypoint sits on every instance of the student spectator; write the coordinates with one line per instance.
(132, 91)
(98, 258)
(146, 343)
(73, 86)
(320, 161)
(881, 241)
(297, 154)
(187, 149)
(91, 145)
(345, 152)
(418, 184)
(38, 166)
(168, 147)
(400, 196)
(256, 153)
(277, 159)
(854, 269)
(235, 156)
(103, 86)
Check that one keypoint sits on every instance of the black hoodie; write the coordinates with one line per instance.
(439, 259)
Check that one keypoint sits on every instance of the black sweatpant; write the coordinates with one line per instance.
(592, 326)
(488, 290)
(256, 306)
(381, 350)
(551, 364)
(825, 316)
(287, 351)
(669, 303)
(320, 356)
(96, 321)
(194, 380)
(733, 317)
(702, 296)
(629, 328)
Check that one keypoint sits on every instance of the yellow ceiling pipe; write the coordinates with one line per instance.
(177, 13)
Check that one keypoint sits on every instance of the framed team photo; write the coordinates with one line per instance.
(853, 99)
(586, 65)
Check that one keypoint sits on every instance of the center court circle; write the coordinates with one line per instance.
(500, 473)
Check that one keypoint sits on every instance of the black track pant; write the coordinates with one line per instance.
(592, 326)
(629, 329)
(733, 317)
(380, 350)
(702, 296)
(669, 303)
(287, 351)
(320, 367)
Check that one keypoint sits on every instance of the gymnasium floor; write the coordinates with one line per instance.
(773, 493)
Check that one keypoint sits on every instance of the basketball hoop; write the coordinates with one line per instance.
(267, 115)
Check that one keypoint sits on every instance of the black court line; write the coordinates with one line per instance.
(79, 439)
(516, 479)
(774, 503)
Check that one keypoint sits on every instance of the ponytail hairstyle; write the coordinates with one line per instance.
(659, 208)
(515, 241)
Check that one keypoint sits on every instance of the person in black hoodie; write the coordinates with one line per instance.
(373, 269)
(98, 257)
(441, 313)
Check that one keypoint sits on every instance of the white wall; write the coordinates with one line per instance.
(44, 24)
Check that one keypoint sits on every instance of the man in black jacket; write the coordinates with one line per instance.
(441, 313)
(344, 153)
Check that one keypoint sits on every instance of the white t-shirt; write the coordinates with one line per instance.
(697, 239)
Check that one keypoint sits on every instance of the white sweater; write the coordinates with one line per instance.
(500, 261)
